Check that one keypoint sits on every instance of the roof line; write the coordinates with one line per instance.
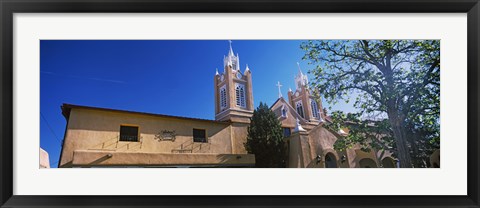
(292, 108)
(66, 108)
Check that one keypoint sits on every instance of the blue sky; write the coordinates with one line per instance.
(173, 77)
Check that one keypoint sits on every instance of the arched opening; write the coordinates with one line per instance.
(388, 163)
(330, 161)
(367, 163)
(299, 106)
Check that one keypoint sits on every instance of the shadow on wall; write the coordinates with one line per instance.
(114, 144)
(192, 147)
(236, 160)
(188, 146)
(101, 159)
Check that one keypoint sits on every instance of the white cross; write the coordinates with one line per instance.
(279, 90)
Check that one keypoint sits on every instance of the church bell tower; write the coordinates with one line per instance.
(303, 101)
(233, 91)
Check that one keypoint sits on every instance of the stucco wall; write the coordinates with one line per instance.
(288, 121)
(92, 158)
(305, 146)
(90, 129)
(239, 137)
(44, 159)
(295, 155)
(322, 139)
(291, 119)
(435, 159)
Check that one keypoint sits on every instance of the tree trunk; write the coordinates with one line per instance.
(403, 152)
(396, 117)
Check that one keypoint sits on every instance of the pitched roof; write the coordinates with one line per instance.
(291, 109)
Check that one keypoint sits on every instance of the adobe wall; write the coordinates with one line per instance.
(90, 129)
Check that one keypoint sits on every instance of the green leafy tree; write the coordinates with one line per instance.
(370, 134)
(396, 80)
(265, 139)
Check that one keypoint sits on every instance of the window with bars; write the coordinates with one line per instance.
(300, 108)
(223, 97)
(240, 95)
(199, 135)
(129, 133)
(313, 103)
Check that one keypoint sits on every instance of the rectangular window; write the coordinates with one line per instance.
(129, 133)
(286, 132)
(199, 135)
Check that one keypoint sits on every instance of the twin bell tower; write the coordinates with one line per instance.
(233, 91)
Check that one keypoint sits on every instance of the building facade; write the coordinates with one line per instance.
(101, 137)
(44, 159)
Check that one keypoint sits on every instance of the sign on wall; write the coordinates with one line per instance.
(166, 135)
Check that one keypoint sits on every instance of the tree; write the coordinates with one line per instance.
(396, 80)
(265, 139)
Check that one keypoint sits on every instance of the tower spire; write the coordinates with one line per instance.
(299, 69)
(230, 53)
(300, 79)
(231, 60)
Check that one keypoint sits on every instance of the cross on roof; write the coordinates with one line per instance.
(279, 90)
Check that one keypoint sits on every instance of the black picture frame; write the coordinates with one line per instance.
(9, 7)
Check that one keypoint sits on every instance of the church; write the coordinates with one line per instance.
(103, 137)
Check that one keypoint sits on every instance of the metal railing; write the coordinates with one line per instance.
(128, 138)
(112, 143)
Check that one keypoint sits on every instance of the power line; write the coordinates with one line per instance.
(51, 129)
